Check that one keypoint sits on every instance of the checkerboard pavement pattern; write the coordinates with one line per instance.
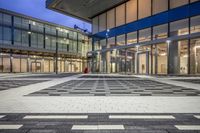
(136, 87)
(8, 84)
(143, 125)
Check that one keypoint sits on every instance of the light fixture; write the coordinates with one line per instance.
(163, 54)
(108, 30)
(29, 32)
(168, 41)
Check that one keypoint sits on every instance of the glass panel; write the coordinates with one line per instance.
(40, 41)
(195, 56)
(17, 37)
(131, 11)
(111, 19)
(121, 40)
(120, 15)
(1, 34)
(53, 43)
(48, 42)
(6, 64)
(16, 64)
(46, 65)
(7, 20)
(23, 65)
(95, 25)
(160, 6)
(162, 58)
(177, 3)
(193, 1)
(145, 35)
(160, 31)
(17, 22)
(102, 22)
(132, 38)
(180, 27)
(1, 18)
(25, 38)
(7, 35)
(34, 40)
(144, 8)
(195, 24)
(25, 24)
(111, 42)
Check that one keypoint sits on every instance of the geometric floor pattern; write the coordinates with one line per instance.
(8, 84)
(107, 76)
(131, 125)
(112, 87)
(194, 81)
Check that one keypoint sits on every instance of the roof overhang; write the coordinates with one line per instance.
(82, 9)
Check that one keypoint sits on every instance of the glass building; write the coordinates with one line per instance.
(141, 36)
(31, 45)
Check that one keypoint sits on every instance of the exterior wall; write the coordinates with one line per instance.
(175, 57)
(26, 42)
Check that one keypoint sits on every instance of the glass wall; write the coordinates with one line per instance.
(195, 24)
(144, 8)
(120, 15)
(160, 6)
(180, 27)
(177, 3)
(160, 31)
(195, 56)
(145, 35)
(131, 11)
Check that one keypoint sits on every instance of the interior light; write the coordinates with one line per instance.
(168, 41)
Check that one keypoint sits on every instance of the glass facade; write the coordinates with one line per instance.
(32, 45)
(166, 48)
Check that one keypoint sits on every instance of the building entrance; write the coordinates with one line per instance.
(143, 63)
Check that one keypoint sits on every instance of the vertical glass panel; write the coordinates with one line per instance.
(17, 22)
(111, 19)
(193, 1)
(144, 8)
(1, 34)
(160, 31)
(25, 24)
(145, 35)
(178, 57)
(120, 15)
(46, 65)
(131, 11)
(160, 6)
(95, 25)
(102, 22)
(180, 27)
(16, 64)
(40, 41)
(177, 3)
(51, 66)
(132, 38)
(121, 40)
(130, 63)
(23, 65)
(6, 64)
(48, 42)
(7, 20)
(195, 24)
(111, 42)
(53, 43)
(195, 56)
(34, 40)
(7, 35)
(1, 18)
(162, 58)
(25, 38)
(17, 37)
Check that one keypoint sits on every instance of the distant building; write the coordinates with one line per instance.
(32, 45)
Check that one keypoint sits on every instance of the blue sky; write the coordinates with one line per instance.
(37, 9)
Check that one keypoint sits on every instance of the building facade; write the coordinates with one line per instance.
(31, 45)
(136, 43)
(142, 36)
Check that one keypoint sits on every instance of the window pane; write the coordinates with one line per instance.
(25, 24)
(111, 42)
(6, 64)
(159, 6)
(177, 3)
(34, 40)
(102, 22)
(17, 37)
(195, 56)
(40, 41)
(179, 27)
(162, 58)
(7, 20)
(144, 8)
(23, 65)
(145, 35)
(195, 24)
(131, 11)
(120, 15)
(7, 35)
(95, 25)
(121, 40)
(17, 22)
(132, 38)
(1, 34)
(193, 1)
(53, 43)
(111, 19)
(25, 38)
(160, 31)
(48, 42)
(1, 18)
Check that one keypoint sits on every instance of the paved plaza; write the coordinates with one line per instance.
(98, 103)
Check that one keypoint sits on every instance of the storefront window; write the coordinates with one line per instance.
(195, 56)
(162, 58)
(145, 35)
(195, 24)
(160, 31)
(121, 40)
(132, 38)
(180, 27)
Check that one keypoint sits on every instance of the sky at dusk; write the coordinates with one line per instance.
(37, 9)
